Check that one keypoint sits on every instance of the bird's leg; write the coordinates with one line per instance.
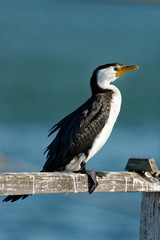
(91, 176)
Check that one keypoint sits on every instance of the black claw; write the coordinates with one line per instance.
(93, 183)
(101, 174)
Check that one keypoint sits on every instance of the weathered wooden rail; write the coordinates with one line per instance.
(143, 176)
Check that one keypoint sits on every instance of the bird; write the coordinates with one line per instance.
(83, 132)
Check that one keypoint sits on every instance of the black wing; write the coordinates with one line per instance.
(76, 134)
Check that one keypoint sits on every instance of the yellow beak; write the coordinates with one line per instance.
(125, 69)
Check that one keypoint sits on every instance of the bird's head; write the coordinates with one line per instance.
(105, 74)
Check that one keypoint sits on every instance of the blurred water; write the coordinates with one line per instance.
(48, 50)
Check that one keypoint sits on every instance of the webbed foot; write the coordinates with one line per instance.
(91, 176)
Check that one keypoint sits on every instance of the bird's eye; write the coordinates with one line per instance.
(116, 69)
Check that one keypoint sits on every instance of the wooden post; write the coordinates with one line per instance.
(150, 217)
(150, 206)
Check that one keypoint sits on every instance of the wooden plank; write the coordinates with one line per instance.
(150, 206)
(141, 165)
(150, 217)
(40, 183)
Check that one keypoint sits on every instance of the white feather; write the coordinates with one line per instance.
(106, 131)
(105, 76)
(74, 165)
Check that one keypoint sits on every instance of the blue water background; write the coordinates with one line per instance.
(48, 50)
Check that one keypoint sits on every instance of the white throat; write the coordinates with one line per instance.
(105, 77)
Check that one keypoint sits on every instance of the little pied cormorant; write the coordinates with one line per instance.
(83, 132)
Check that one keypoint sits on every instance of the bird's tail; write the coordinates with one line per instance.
(14, 198)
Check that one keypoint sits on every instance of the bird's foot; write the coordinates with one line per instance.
(92, 176)
(93, 183)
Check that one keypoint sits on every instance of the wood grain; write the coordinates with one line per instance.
(150, 217)
(41, 183)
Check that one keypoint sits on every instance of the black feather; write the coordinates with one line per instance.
(77, 132)
(14, 198)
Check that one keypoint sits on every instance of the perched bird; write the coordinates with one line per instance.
(83, 132)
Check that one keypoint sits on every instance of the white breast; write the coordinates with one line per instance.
(106, 131)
